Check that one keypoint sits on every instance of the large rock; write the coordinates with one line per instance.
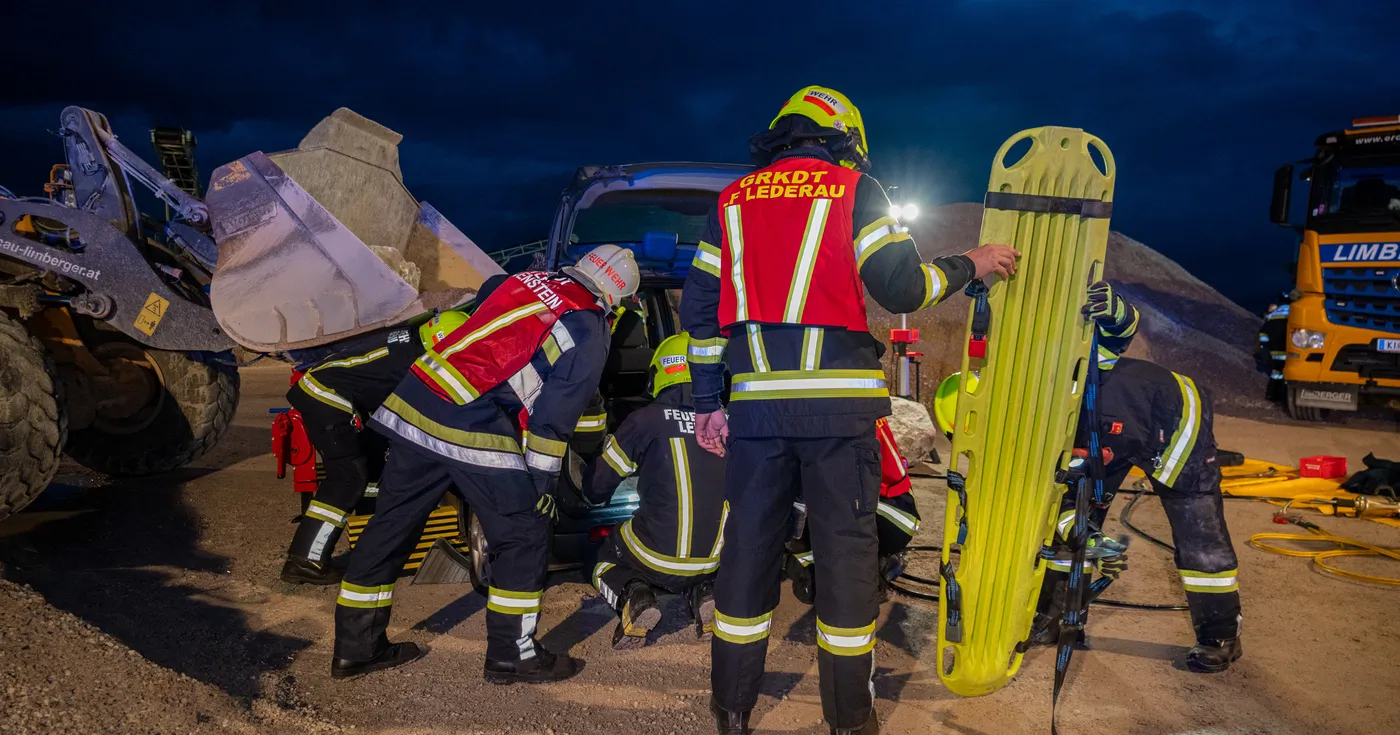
(913, 429)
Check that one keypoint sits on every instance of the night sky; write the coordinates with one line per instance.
(1199, 100)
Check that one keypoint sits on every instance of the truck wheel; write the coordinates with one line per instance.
(160, 410)
(477, 547)
(32, 424)
(1304, 413)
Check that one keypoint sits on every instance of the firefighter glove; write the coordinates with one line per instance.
(1106, 307)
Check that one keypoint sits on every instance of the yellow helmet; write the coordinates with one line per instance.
(945, 400)
(436, 329)
(831, 109)
(669, 363)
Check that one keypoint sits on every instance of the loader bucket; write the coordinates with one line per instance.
(290, 275)
(324, 241)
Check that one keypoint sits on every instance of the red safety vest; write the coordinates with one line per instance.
(788, 251)
(894, 472)
(497, 342)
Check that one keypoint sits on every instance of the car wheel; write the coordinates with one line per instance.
(478, 553)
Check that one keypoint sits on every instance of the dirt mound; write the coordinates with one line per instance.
(62, 675)
(1187, 326)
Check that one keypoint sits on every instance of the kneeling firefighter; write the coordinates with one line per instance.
(334, 397)
(1161, 423)
(674, 539)
(779, 284)
(896, 522)
(538, 342)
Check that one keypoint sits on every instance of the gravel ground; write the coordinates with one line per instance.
(153, 606)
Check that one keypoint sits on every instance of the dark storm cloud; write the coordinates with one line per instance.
(1199, 100)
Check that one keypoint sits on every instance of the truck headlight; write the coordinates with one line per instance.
(1308, 339)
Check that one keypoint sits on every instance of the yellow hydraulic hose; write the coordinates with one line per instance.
(1345, 547)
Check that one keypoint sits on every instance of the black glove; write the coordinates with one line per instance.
(1113, 564)
(1106, 307)
(545, 485)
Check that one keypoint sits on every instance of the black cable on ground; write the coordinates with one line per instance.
(1127, 513)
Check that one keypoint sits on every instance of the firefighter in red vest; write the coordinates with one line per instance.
(777, 292)
(896, 523)
(538, 343)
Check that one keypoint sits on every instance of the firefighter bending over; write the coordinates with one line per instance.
(777, 291)
(1160, 422)
(673, 541)
(538, 342)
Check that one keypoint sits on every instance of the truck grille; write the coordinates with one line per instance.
(1365, 298)
(1367, 363)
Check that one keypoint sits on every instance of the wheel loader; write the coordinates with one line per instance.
(118, 329)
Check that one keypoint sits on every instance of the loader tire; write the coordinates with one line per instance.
(32, 422)
(196, 403)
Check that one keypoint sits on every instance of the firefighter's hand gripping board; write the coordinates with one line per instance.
(1017, 427)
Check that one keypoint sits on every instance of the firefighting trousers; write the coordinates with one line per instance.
(618, 567)
(839, 480)
(517, 538)
(896, 523)
(352, 459)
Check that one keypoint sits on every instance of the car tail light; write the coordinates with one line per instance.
(598, 533)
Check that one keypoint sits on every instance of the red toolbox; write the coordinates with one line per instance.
(1323, 466)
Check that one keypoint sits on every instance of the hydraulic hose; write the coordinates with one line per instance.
(1322, 559)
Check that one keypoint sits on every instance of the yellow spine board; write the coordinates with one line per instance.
(1017, 428)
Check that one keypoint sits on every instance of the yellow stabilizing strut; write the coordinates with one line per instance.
(1016, 428)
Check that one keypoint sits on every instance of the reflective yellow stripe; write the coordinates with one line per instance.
(845, 641)
(756, 351)
(1210, 582)
(591, 423)
(806, 261)
(935, 283)
(354, 361)
(512, 603)
(679, 566)
(354, 595)
(313, 388)
(599, 570)
(707, 259)
(877, 235)
(1063, 524)
(485, 330)
(454, 383)
(736, 262)
(1184, 439)
(707, 351)
(812, 348)
(907, 523)
(471, 439)
(719, 538)
(618, 459)
(681, 464)
(552, 447)
(551, 349)
(1107, 358)
(809, 384)
(327, 513)
(742, 630)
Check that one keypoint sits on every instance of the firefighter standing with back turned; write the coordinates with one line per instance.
(1162, 423)
(775, 291)
(538, 343)
(674, 539)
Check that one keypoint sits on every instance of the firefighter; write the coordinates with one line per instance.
(1273, 350)
(775, 293)
(538, 342)
(673, 541)
(896, 522)
(1161, 423)
(334, 397)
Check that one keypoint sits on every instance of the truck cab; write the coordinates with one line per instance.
(1343, 336)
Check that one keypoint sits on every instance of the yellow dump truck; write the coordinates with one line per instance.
(1343, 339)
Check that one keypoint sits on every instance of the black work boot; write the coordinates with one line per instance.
(1213, 657)
(640, 614)
(729, 723)
(702, 606)
(542, 668)
(804, 581)
(871, 727)
(304, 571)
(397, 654)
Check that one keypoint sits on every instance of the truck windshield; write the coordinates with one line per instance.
(625, 216)
(1358, 190)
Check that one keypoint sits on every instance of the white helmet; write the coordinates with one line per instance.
(609, 271)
